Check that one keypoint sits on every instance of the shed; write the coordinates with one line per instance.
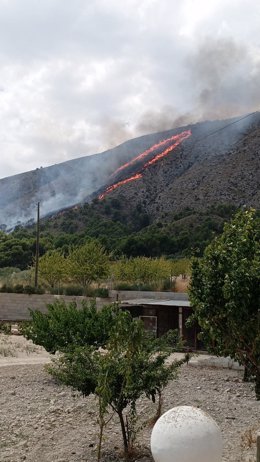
(159, 316)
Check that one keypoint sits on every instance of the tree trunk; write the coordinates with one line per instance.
(247, 371)
(123, 430)
(257, 385)
(101, 429)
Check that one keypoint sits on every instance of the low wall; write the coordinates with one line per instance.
(15, 307)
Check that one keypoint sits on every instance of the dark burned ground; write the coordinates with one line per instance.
(44, 422)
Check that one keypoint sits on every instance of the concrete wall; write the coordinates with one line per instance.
(15, 307)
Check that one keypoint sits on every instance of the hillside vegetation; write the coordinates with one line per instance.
(174, 208)
(120, 233)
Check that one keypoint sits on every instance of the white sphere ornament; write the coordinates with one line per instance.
(186, 434)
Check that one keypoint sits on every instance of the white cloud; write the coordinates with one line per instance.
(79, 77)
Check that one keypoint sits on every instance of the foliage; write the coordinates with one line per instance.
(180, 267)
(5, 328)
(73, 290)
(119, 229)
(53, 268)
(65, 325)
(17, 249)
(20, 289)
(88, 263)
(33, 290)
(101, 292)
(142, 273)
(132, 365)
(93, 292)
(225, 292)
(8, 271)
(142, 270)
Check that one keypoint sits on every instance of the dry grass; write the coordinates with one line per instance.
(15, 346)
(248, 441)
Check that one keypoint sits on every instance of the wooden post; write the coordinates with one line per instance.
(258, 447)
(180, 322)
(37, 246)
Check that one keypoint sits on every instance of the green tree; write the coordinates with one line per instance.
(53, 268)
(225, 293)
(88, 263)
(66, 324)
(132, 365)
(180, 267)
(142, 270)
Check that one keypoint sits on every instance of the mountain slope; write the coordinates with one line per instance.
(67, 183)
(216, 162)
(215, 165)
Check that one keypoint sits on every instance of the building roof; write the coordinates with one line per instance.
(155, 302)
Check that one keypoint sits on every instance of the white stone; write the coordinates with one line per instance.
(186, 434)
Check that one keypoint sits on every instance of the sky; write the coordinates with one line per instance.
(79, 77)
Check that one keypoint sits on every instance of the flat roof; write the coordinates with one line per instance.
(153, 302)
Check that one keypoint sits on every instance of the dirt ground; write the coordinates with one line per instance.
(41, 421)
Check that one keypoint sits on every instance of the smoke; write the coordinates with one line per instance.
(220, 80)
(115, 132)
(69, 93)
(165, 118)
(225, 76)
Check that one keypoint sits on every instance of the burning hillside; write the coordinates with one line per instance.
(218, 163)
(145, 159)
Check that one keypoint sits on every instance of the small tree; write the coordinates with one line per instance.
(225, 293)
(132, 365)
(53, 268)
(180, 267)
(107, 353)
(88, 263)
(142, 270)
(66, 325)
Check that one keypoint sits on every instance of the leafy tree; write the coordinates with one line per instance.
(53, 268)
(15, 252)
(142, 270)
(180, 267)
(225, 293)
(119, 375)
(66, 324)
(88, 263)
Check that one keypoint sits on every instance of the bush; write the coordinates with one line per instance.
(127, 286)
(65, 325)
(101, 292)
(18, 289)
(74, 290)
(6, 289)
(5, 328)
(33, 290)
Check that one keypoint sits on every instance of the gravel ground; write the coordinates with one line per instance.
(42, 421)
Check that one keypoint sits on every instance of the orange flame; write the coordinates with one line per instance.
(181, 137)
(151, 149)
(177, 138)
(120, 183)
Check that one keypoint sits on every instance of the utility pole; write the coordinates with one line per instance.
(37, 246)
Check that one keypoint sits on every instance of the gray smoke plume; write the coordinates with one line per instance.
(221, 80)
(225, 76)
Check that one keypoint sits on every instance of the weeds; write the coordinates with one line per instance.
(7, 351)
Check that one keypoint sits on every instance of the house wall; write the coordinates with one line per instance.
(169, 317)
